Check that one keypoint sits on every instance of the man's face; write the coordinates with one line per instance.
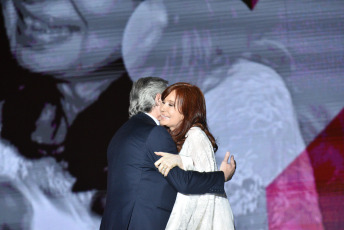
(65, 37)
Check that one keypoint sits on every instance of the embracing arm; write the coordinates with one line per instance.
(189, 182)
(196, 154)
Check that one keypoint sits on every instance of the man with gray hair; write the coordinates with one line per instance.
(138, 196)
(143, 93)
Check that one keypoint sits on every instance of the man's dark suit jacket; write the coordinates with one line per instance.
(138, 196)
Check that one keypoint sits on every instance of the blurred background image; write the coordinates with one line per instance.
(272, 76)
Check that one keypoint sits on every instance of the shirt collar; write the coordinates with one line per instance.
(156, 120)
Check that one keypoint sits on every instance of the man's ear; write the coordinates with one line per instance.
(158, 99)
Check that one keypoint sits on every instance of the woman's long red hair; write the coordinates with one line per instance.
(191, 103)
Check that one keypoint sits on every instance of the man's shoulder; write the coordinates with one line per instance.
(137, 124)
(160, 140)
(159, 132)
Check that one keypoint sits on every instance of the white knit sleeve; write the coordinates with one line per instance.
(200, 150)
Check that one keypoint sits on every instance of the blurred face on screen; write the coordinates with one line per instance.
(65, 37)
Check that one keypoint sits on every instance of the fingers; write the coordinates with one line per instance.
(167, 171)
(163, 162)
(166, 162)
(161, 168)
(226, 157)
(232, 161)
(160, 153)
(228, 168)
(164, 169)
(158, 162)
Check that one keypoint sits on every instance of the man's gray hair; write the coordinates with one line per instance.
(143, 93)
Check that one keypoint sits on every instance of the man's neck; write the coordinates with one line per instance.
(153, 117)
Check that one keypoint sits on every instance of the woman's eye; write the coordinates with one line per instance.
(171, 105)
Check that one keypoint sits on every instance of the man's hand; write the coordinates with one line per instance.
(228, 168)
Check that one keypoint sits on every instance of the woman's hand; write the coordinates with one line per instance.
(167, 162)
(228, 168)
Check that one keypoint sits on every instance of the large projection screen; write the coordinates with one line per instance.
(272, 76)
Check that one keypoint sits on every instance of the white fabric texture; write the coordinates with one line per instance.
(208, 211)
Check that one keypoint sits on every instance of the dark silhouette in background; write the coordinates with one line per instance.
(25, 94)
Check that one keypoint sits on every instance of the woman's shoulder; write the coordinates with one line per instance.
(195, 131)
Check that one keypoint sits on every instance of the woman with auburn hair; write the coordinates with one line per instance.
(183, 111)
